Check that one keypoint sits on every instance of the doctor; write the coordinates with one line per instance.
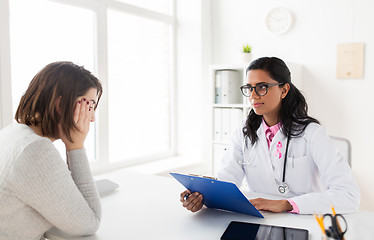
(282, 151)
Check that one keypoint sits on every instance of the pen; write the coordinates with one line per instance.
(319, 219)
(334, 213)
(333, 210)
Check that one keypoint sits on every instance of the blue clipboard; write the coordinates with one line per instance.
(218, 194)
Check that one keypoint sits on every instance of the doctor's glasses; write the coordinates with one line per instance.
(261, 89)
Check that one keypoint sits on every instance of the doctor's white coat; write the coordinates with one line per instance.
(316, 173)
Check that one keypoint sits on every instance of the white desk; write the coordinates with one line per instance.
(148, 207)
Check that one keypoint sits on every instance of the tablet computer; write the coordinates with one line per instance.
(252, 231)
(218, 194)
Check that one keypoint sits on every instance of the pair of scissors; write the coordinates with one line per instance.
(335, 230)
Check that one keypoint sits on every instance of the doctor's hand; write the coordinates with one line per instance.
(191, 201)
(271, 205)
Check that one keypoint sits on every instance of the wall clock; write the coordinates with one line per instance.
(279, 20)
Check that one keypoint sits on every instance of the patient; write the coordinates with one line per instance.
(38, 190)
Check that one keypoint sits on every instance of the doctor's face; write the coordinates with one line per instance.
(269, 104)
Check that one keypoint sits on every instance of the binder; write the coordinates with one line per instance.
(236, 119)
(226, 121)
(230, 87)
(217, 125)
(218, 194)
(226, 124)
(218, 89)
(219, 151)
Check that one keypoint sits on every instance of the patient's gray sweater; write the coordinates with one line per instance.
(37, 190)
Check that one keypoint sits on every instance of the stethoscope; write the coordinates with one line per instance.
(283, 187)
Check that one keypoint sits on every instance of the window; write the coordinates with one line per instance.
(139, 86)
(41, 33)
(162, 6)
(128, 45)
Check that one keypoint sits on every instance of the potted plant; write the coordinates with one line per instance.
(247, 53)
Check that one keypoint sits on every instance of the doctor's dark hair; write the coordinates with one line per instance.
(58, 81)
(294, 110)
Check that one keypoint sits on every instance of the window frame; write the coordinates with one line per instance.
(5, 76)
(100, 9)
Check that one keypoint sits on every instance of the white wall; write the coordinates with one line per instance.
(344, 107)
(192, 61)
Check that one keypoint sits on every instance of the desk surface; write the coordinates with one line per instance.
(148, 207)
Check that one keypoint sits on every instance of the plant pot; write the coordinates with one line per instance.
(247, 57)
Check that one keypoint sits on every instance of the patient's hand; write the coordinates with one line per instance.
(193, 202)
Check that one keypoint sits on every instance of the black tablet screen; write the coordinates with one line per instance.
(251, 231)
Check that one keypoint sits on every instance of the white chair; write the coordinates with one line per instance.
(344, 147)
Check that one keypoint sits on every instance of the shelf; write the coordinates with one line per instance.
(229, 105)
(221, 143)
(241, 67)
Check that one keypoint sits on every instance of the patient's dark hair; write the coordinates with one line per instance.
(294, 109)
(59, 80)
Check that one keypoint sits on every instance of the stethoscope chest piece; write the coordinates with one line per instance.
(283, 188)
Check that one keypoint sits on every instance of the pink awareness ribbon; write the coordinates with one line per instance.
(279, 146)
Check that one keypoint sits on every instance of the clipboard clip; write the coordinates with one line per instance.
(208, 177)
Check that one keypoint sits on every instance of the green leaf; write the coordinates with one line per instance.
(247, 48)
